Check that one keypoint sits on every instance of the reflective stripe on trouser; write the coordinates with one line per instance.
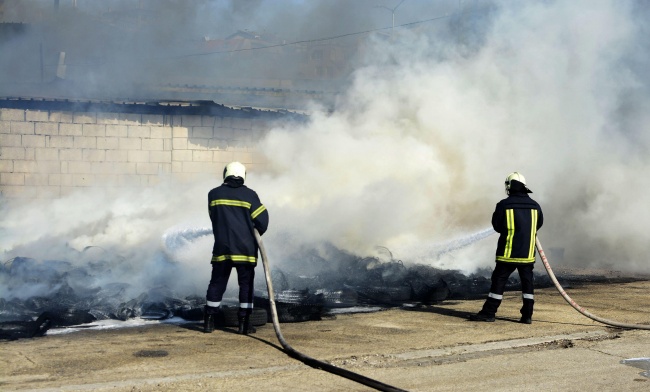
(500, 275)
(245, 279)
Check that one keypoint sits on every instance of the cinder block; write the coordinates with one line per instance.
(93, 155)
(198, 144)
(36, 115)
(116, 130)
(106, 168)
(108, 143)
(150, 180)
(83, 180)
(152, 119)
(84, 118)
(9, 140)
(12, 114)
(33, 141)
(54, 181)
(167, 144)
(48, 167)
(61, 117)
(161, 132)
(12, 152)
(12, 179)
(93, 130)
(202, 132)
(130, 143)
(190, 121)
(46, 154)
(223, 156)
(58, 179)
(259, 158)
(5, 126)
(138, 156)
(128, 180)
(108, 118)
(13, 192)
(70, 129)
(85, 142)
(46, 128)
(226, 122)
(130, 119)
(113, 167)
(24, 128)
(202, 156)
(146, 168)
(182, 155)
(179, 143)
(177, 167)
(59, 141)
(117, 156)
(202, 167)
(168, 121)
(165, 168)
(180, 132)
(210, 121)
(30, 154)
(243, 157)
(23, 166)
(260, 125)
(224, 133)
(242, 123)
(160, 156)
(139, 131)
(218, 144)
(106, 179)
(70, 154)
(196, 167)
(152, 144)
(36, 179)
(178, 120)
(78, 167)
(6, 166)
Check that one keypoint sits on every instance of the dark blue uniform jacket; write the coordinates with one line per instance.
(235, 210)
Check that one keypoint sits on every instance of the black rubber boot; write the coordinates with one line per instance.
(208, 319)
(245, 326)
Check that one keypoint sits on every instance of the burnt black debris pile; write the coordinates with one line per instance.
(38, 295)
(316, 284)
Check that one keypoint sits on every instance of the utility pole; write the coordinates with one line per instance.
(392, 10)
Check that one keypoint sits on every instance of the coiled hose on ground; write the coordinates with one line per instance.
(573, 303)
(315, 363)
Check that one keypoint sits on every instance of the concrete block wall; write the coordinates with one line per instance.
(51, 153)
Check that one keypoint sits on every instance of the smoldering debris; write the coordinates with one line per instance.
(38, 295)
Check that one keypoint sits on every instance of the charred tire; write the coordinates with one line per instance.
(230, 318)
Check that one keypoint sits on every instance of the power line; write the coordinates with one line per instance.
(317, 39)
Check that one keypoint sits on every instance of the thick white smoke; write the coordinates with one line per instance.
(418, 149)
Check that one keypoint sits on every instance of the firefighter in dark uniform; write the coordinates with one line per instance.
(517, 219)
(235, 211)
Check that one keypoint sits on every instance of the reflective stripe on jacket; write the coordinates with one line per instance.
(517, 219)
(235, 210)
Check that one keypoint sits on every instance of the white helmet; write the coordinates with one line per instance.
(235, 169)
(517, 177)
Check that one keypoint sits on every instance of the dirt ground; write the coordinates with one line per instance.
(432, 348)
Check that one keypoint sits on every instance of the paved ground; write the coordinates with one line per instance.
(431, 348)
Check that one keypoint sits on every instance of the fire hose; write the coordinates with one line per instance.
(315, 363)
(573, 303)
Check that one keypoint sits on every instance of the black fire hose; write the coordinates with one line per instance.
(315, 363)
(573, 303)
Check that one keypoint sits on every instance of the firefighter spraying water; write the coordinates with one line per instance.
(235, 212)
(517, 219)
